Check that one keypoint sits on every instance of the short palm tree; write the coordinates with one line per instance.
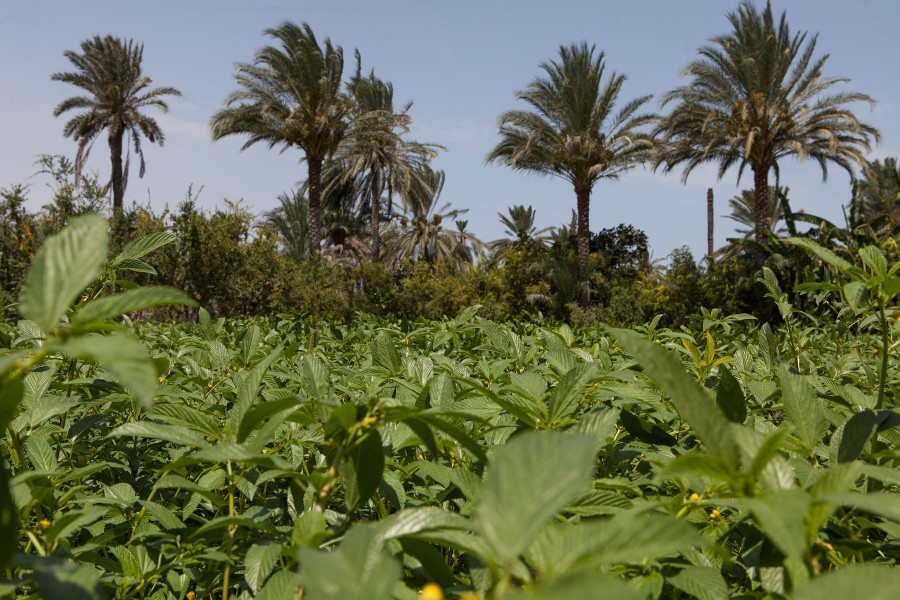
(290, 219)
(756, 96)
(876, 196)
(109, 70)
(520, 229)
(375, 155)
(421, 232)
(574, 130)
(291, 96)
(743, 211)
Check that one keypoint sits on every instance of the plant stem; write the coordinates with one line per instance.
(879, 404)
(227, 574)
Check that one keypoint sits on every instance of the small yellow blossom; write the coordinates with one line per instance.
(209, 385)
(695, 497)
(162, 380)
(265, 450)
(369, 421)
(470, 596)
(191, 595)
(657, 342)
(431, 591)
(714, 514)
(828, 547)
(45, 523)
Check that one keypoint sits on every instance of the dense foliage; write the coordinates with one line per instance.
(461, 458)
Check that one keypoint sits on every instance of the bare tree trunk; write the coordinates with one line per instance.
(709, 226)
(583, 239)
(761, 202)
(375, 227)
(118, 177)
(314, 179)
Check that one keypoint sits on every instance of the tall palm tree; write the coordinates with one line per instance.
(290, 96)
(109, 70)
(573, 132)
(375, 154)
(757, 95)
(743, 211)
(520, 229)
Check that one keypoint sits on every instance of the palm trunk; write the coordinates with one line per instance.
(118, 178)
(761, 202)
(374, 229)
(710, 210)
(314, 178)
(583, 239)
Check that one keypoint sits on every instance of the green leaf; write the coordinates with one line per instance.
(165, 517)
(58, 579)
(872, 582)
(781, 515)
(281, 585)
(176, 434)
(854, 293)
(136, 266)
(567, 394)
(580, 586)
(730, 397)
(66, 264)
(384, 354)
(883, 504)
(855, 434)
(261, 559)
(249, 391)
(691, 400)
(144, 245)
(137, 299)
(362, 470)
(181, 414)
(703, 583)
(122, 356)
(823, 254)
(413, 521)
(873, 257)
(9, 518)
(359, 570)
(802, 408)
(11, 395)
(529, 480)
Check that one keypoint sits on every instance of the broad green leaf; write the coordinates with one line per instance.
(249, 391)
(358, 570)
(181, 414)
(781, 515)
(883, 504)
(110, 307)
(580, 586)
(261, 559)
(854, 293)
(855, 434)
(567, 394)
(136, 266)
(9, 518)
(281, 585)
(66, 264)
(412, 521)
(41, 454)
(384, 354)
(528, 481)
(122, 356)
(872, 582)
(873, 257)
(144, 245)
(62, 579)
(361, 471)
(691, 400)
(823, 254)
(165, 517)
(176, 434)
(703, 583)
(11, 396)
(802, 408)
(730, 397)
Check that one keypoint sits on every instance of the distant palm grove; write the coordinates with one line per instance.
(366, 229)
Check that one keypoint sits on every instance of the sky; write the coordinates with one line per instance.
(460, 62)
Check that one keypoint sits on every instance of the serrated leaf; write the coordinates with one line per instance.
(62, 579)
(703, 583)
(567, 394)
(823, 254)
(802, 408)
(384, 354)
(872, 582)
(873, 257)
(361, 471)
(66, 264)
(175, 434)
(730, 397)
(529, 480)
(165, 517)
(691, 400)
(137, 299)
(144, 245)
(855, 434)
(281, 585)
(260, 560)
(9, 518)
(249, 391)
(122, 356)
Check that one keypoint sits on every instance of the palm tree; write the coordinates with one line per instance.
(520, 229)
(573, 132)
(755, 96)
(291, 97)
(109, 70)
(290, 219)
(876, 197)
(420, 233)
(375, 154)
(743, 211)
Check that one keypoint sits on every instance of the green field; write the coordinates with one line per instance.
(461, 458)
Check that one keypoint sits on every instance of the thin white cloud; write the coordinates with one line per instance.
(183, 127)
(464, 131)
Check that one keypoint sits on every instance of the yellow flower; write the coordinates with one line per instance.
(45, 523)
(470, 596)
(265, 450)
(828, 547)
(695, 497)
(657, 342)
(162, 380)
(209, 385)
(369, 421)
(715, 514)
(431, 591)
(191, 595)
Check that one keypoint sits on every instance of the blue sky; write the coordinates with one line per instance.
(460, 62)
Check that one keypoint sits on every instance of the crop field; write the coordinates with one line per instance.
(463, 458)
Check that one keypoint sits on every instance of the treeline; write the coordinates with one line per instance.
(236, 263)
